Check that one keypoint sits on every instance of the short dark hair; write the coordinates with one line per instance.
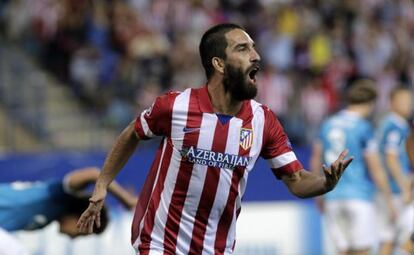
(77, 204)
(213, 44)
(361, 91)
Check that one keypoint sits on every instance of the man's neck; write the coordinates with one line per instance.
(360, 109)
(220, 99)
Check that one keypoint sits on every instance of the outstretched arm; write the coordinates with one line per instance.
(79, 179)
(305, 184)
(393, 162)
(379, 176)
(120, 153)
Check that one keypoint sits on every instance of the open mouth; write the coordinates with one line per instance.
(252, 73)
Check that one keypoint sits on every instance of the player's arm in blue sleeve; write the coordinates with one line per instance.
(79, 179)
(393, 142)
(375, 167)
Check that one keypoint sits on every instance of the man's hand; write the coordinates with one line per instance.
(92, 215)
(335, 171)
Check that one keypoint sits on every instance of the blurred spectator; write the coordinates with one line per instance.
(275, 91)
(314, 103)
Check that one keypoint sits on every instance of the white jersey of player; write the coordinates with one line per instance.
(192, 195)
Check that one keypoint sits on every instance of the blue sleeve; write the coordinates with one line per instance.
(393, 139)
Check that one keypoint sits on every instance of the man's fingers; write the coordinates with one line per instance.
(90, 225)
(343, 154)
(326, 170)
(89, 218)
(98, 220)
(81, 222)
(347, 162)
(85, 222)
(83, 225)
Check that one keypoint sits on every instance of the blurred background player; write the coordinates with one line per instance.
(393, 133)
(33, 205)
(410, 143)
(409, 245)
(349, 209)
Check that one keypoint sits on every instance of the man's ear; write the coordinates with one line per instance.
(218, 64)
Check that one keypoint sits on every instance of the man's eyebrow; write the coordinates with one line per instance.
(241, 45)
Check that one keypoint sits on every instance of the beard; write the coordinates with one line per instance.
(236, 83)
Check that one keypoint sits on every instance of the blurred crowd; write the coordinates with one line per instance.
(117, 55)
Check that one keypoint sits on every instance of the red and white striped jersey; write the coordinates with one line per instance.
(192, 195)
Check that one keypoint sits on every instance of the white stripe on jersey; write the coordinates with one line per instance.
(179, 113)
(257, 127)
(205, 141)
(282, 160)
(144, 124)
(141, 224)
(179, 117)
(223, 188)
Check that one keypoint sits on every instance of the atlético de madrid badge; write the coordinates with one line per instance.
(246, 138)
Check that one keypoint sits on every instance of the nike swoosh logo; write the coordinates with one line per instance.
(189, 130)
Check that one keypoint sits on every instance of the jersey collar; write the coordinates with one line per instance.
(351, 114)
(207, 107)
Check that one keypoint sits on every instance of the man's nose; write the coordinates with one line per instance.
(255, 57)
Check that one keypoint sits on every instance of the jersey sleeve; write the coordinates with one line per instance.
(277, 149)
(156, 120)
(392, 140)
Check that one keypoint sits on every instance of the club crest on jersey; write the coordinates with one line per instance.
(246, 138)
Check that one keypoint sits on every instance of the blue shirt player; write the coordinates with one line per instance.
(349, 209)
(33, 205)
(393, 134)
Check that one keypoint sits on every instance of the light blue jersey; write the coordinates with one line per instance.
(349, 130)
(30, 205)
(392, 135)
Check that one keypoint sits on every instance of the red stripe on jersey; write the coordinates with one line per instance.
(145, 193)
(182, 182)
(157, 117)
(237, 216)
(287, 169)
(226, 218)
(145, 235)
(209, 192)
(160, 114)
